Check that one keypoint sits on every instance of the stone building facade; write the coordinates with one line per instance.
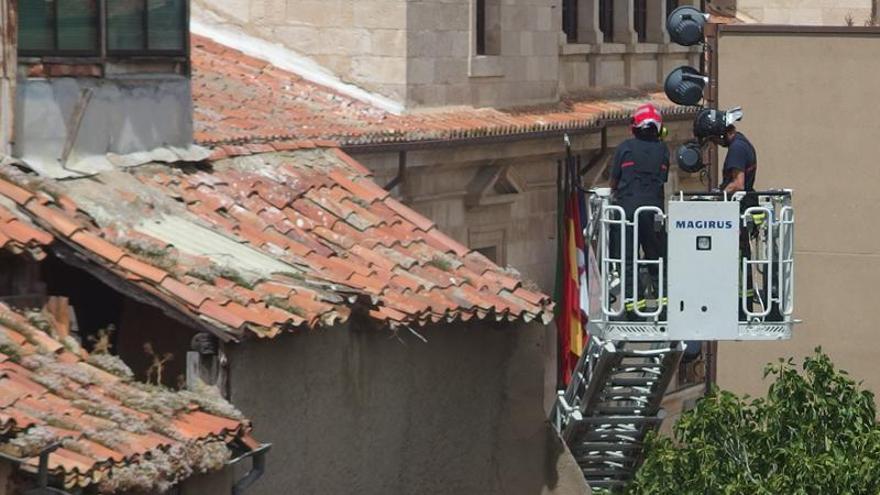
(427, 53)
(485, 178)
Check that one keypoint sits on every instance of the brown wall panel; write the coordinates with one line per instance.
(810, 101)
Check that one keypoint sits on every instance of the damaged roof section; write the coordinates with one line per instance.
(241, 99)
(270, 242)
(112, 433)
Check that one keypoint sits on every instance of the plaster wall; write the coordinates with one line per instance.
(355, 409)
(6, 471)
(825, 83)
(220, 482)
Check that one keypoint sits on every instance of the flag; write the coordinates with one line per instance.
(571, 282)
(584, 303)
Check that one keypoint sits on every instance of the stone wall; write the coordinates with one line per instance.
(520, 66)
(423, 53)
(361, 41)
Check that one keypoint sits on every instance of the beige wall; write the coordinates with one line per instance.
(801, 12)
(810, 109)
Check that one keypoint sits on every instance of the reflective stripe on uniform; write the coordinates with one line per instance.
(642, 303)
(759, 218)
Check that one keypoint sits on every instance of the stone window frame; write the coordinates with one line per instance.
(640, 19)
(485, 54)
(570, 20)
(589, 32)
(486, 27)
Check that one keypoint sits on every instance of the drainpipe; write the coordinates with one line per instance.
(258, 467)
(43, 487)
(401, 172)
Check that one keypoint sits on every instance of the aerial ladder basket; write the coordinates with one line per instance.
(707, 287)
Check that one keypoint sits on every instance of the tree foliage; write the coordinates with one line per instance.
(814, 432)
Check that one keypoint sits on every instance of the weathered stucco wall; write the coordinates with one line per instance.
(809, 102)
(202, 484)
(361, 410)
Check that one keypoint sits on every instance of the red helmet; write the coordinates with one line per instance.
(646, 115)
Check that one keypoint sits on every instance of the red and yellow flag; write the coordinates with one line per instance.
(571, 283)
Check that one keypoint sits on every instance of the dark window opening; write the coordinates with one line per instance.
(481, 27)
(96, 305)
(20, 283)
(62, 27)
(73, 27)
(640, 19)
(487, 27)
(490, 252)
(570, 19)
(606, 20)
(146, 26)
(670, 6)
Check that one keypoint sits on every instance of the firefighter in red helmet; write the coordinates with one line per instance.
(638, 176)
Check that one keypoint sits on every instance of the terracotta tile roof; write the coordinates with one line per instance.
(264, 243)
(109, 427)
(17, 233)
(241, 99)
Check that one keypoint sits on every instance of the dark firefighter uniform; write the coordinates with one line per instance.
(639, 171)
(742, 157)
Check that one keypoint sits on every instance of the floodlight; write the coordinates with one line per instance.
(685, 25)
(685, 86)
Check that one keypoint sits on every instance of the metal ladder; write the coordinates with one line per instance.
(612, 403)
